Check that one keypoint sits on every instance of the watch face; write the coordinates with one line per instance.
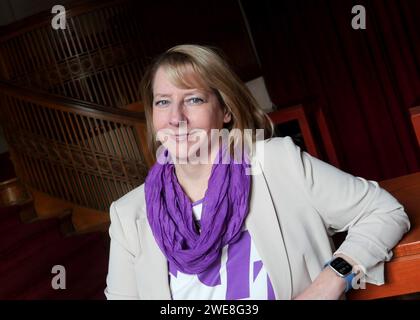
(341, 266)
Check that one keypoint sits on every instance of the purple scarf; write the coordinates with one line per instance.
(169, 212)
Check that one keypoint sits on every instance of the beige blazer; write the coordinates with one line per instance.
(297, 202)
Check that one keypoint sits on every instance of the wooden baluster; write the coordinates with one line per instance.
(18, 125)
(94, 124)
(116, 145)
(46, 165)
(91, 149)
(9, 62)
(109, 100)
(20, 61)
(148, 156)
(98, 98)
(94, 147)
(58, 143)
(111, 148)
(80, 187)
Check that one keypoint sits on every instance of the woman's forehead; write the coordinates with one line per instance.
(182, 77)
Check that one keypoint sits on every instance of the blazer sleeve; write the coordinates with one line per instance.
(121, 279)
(374, 219)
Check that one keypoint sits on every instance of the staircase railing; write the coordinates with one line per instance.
(74, 150)
(99, 57)
(70, 110)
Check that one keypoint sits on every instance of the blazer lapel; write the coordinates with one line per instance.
(151, 266)
(264, 227)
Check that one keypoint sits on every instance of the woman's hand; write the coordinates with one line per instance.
(327, 286)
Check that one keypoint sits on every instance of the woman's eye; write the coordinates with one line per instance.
(195, 100)
(161, 103)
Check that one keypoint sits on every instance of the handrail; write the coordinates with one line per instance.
(73, 150)
(70, 103)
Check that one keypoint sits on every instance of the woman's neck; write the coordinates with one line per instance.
(193, 179)
(193, 172)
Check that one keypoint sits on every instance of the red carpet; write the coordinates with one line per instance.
(28, 253)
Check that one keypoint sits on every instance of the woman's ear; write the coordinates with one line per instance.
(228, 117)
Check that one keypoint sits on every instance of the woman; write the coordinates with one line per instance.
(258, 228)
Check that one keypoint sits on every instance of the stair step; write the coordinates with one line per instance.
(47, 206)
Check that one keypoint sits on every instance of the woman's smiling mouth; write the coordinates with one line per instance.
(181, 137)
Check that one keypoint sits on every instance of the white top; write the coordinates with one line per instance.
(240, 274)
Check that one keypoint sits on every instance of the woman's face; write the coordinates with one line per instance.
(183, 118)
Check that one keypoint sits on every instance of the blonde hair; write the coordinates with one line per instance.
(195, 66)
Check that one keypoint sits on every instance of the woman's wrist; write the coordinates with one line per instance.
(327, 286)
(338, 284)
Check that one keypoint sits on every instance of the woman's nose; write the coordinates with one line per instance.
(177, 115)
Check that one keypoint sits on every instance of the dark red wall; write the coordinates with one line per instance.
(365, 80)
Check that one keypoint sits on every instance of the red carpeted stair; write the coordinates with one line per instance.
(28, 253)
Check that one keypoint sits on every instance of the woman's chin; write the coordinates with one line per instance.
(184, 153)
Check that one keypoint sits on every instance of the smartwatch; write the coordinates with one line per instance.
(343, 269)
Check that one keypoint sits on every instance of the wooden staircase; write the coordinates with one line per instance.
(70, 112)
(35, 206)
